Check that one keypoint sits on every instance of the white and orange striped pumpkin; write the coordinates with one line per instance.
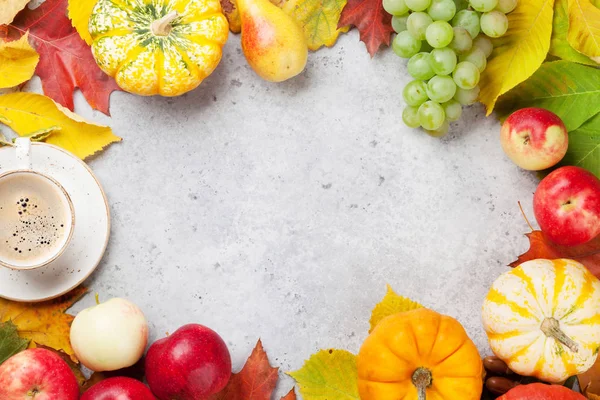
(543, 319)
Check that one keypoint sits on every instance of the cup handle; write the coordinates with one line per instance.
(23, 147)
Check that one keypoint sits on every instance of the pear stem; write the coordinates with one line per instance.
(421, 378)
(162, 27)
(551, 328)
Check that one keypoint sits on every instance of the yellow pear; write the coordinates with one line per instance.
(273, 42)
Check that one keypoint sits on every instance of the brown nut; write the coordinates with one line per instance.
(496, 366)
(500, 385)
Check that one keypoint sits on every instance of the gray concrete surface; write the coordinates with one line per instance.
(281, 211)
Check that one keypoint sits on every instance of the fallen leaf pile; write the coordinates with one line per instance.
(567, 29)
(45, 323)
(256, 380)
(17, 62)
(371, 20)
(31, 114)
(541, 247)
(66, 61)
(10, 341)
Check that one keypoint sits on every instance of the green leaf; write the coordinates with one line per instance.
(570, 90)
(328, 375)
(559, 45)
(584, 146)
(391, 304)
(10, 342)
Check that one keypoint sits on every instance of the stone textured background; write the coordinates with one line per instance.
(281, 211)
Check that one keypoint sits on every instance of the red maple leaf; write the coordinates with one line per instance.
(256, 381)
(372, 21)
(66, 61)
(541, 247)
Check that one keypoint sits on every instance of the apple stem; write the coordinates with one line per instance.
(525, 216)
(97, 299)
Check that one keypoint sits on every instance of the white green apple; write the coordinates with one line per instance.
(110, 336)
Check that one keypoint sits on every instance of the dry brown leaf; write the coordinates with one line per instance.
(44, 323)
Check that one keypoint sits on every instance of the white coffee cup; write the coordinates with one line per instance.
(37, 218)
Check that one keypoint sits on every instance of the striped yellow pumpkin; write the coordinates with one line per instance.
(164, 47)
(543, 319)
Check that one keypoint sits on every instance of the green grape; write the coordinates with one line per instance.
(453, 110)
(399, 23)
(417, 24)
(442, 10)
(484, 43)
(419, 66)
(461, 4)
(439, 132)
(462, 41)
(415, 93)
(443, 61)
(467, 97)
(418, 5)
(466, 75)
(506, 6)
(494, 24)
(469, 20)
(395, 7)
(476, 57)
(431, 115)
(426, 47)
(439, 34)
(405, 45)
(410, 116)
(441, 89)
(483, 5)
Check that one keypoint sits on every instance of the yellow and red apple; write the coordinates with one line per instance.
(567, 206)
(37, 374)
(534, 138)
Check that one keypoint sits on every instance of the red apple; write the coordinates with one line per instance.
(118, 388)
(567, 206)
(534, 138)
(37, 374)
(192, 363)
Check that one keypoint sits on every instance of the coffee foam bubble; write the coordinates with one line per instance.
(34, 219)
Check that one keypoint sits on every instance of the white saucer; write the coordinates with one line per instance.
(90, 237)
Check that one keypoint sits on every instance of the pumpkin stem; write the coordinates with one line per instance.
(551, 328)
(421, 378)
(162, 27)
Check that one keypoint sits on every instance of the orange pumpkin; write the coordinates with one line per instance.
(422, 355)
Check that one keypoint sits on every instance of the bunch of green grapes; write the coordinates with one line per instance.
(447, 43)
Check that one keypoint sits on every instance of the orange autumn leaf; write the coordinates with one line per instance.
(256, 381)
(541, 247)
(44, 323)
(589, 382)
(290, 396)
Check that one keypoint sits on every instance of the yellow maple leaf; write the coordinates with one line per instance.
(318, 19)
(17, 62)
(9, 9)
(584, 28)
(44, 323)
(328, 374)
(391, 304)
(29, 113)
(519, 53)
(79, 14)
